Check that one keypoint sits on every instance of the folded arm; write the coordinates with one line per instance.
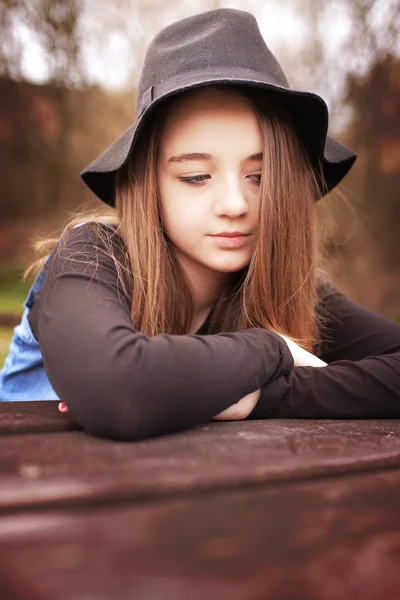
(120, 383)
(362, 376)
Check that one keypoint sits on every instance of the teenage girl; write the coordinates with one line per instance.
(195, 291)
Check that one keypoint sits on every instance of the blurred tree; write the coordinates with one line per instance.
(364, 32)
(55, 25)
(375, 131)
(361, 81)
(11, 47)
(364, 243)
(52, 24)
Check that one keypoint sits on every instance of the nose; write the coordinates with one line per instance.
(231, 200)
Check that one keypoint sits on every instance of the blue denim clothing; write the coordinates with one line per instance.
(23, 376)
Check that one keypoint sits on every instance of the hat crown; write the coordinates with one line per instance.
(226, 38)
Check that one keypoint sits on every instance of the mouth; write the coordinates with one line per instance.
(231, 240)
(230, 234)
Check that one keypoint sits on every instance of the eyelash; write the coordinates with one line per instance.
(196, 179)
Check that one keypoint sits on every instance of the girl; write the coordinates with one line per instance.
(196, 294)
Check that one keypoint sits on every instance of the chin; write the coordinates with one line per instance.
(229, 266)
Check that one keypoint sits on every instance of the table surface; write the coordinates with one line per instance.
(282, 509)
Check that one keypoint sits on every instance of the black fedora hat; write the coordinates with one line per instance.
(222, 46)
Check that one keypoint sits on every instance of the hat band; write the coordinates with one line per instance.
(196, 78)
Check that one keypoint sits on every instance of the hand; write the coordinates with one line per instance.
(62, 407)
(240, 410)
(301, 357)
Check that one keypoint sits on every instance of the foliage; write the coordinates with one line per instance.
(6, 334)
(13, 290)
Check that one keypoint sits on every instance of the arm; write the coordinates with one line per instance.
(120, 383)
(245, 406)
(362, 376)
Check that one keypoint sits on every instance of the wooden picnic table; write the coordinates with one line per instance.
(275, 509)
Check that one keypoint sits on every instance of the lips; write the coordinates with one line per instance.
(226, 234)
(230, 240)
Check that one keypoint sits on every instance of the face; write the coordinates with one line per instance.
(202, 196)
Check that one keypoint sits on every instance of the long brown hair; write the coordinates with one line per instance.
(276, 291)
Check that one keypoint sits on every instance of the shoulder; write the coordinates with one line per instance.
(90, 250)
(93, 232)
(325, 288)
(349, 329)
(335, 306)
(330, 300)
(89, 241)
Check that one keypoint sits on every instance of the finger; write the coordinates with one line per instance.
(62, 407)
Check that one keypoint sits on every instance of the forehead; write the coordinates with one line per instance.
(210, 115)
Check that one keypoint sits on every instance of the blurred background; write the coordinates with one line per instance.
(68, 76)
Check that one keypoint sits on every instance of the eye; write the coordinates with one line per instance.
(194, 179)
(199, 179)
(257, 181)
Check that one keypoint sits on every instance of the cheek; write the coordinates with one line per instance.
(183, 225)
(180, 213)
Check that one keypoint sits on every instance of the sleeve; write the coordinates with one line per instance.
(362, 378)
(120, 383)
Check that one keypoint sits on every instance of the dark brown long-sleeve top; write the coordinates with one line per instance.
(122, 384)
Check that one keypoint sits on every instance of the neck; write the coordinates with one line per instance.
(205, 285)
(205, 295)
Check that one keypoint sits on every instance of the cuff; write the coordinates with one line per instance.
(275, 388)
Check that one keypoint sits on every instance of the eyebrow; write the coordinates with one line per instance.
(201, 156)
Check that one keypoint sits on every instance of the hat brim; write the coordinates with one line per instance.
(336, 158)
